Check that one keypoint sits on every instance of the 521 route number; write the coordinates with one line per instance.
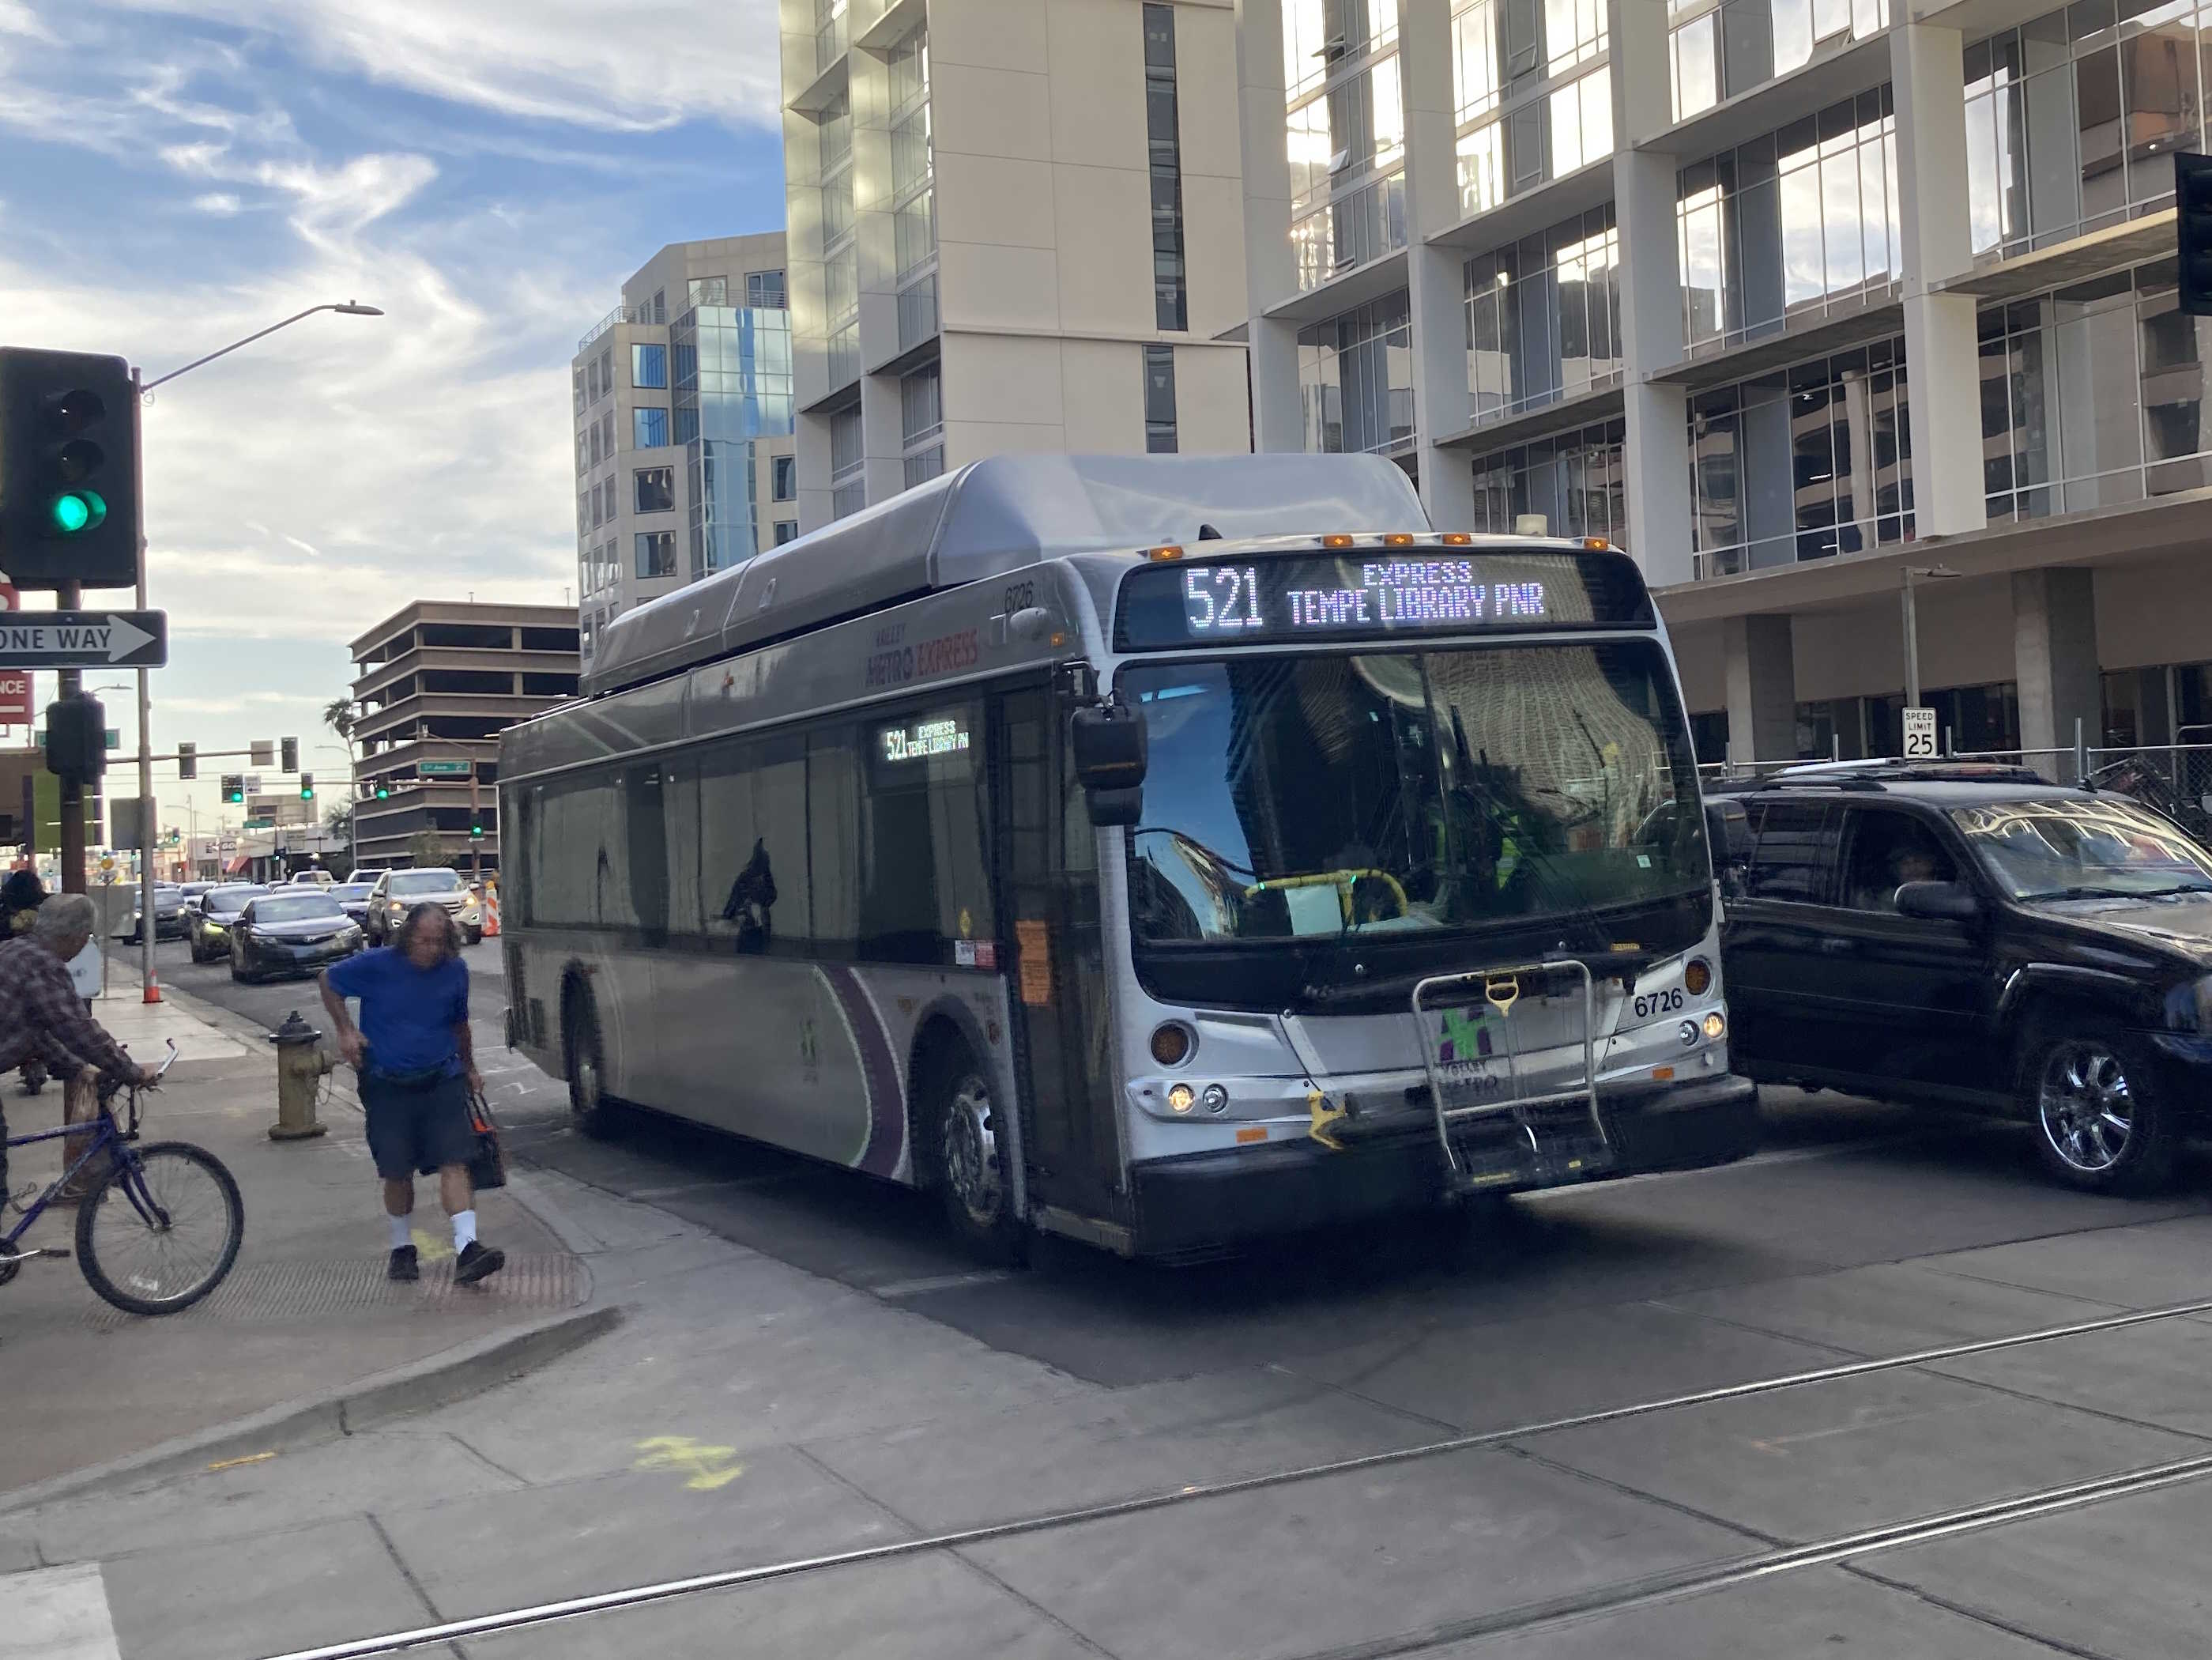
(1658, 1002)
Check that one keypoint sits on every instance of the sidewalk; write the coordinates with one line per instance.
(305, 1321)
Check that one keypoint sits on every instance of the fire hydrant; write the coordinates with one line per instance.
(299, 1069)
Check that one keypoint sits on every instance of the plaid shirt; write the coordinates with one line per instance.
(41, 1014)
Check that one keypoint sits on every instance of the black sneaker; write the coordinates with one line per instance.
(404, 1266)
(476, 1262)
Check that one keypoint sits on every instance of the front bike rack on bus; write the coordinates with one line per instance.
(1521, 1139)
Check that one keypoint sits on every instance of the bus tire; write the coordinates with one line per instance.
(963, 1158)
(589, 1106)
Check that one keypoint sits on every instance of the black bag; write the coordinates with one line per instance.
(486, 1164)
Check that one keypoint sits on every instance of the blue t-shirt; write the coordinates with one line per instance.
(407, 1014)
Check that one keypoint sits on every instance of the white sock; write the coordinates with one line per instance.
(400, 1236)
(464, 1229)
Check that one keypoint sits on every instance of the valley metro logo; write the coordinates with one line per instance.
(1466, 1035)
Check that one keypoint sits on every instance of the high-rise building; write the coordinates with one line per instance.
(1802, 302)
(685, 458)
(1014, 225)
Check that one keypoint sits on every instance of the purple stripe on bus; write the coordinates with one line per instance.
(878, 1069)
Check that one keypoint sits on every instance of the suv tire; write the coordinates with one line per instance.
(2101, 1122)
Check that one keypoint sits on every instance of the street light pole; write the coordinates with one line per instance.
(140, 387)
(1908, 575)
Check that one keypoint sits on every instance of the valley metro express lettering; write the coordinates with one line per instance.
(894, 663)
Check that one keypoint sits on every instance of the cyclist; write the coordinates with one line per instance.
(21, 895)
(41, 1016)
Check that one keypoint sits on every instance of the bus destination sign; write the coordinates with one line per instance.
(1371, 596)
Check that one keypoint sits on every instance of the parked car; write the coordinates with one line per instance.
(398, 891)
(290, 931)
(168, 915)
(1975, 936)
(353, 899)
(217, 912)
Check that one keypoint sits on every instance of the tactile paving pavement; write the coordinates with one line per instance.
(306, 1290)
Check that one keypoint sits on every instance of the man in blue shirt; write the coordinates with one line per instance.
(417, 1068)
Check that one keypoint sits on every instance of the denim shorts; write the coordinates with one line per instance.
(416, 1128)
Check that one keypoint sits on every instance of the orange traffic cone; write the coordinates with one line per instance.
(491, 914)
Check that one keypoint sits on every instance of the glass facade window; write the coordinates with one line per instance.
(1791, 223)
(724, 508)
(1355, 380)
(1802, 463)
(1532, 88)
(597, 451)
(1719, 48)
(785, 487)
(578, 376)
(1543, 317)
(707, 291)
(921, 408)
(1346, 137)
(648, 428)
(787, 530)
(649, 366)
(607, 375)
(1318, 35)
(764, 290)
(1159, 400)
(847, 499)
(655, 489)
(1575, 480)
(2092, 395)
(1171, 295)
(734, 389)
(924, 465)
(846, 446)
(2072, 120)
(656, 553)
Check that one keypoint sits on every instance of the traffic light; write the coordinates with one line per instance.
(383, 790)
(291, 751)
(188, 760)
(307, 787)
(233, 789)
(476, 830)
(2192, 225)
(76, 738)
(69, 469)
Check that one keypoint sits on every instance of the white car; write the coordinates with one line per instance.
(398, 891)
(313, 878)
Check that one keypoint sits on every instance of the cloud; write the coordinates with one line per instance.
(221, 203)
(640, 67)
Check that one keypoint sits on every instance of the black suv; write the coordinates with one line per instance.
(1977, 936)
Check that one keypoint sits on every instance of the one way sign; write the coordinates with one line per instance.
(84, 639)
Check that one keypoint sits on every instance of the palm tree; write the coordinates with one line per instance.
(339, 716)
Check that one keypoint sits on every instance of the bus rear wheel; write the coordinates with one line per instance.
(968, 1162)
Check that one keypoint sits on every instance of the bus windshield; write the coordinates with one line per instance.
(1408, 794)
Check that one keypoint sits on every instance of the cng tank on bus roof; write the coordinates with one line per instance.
(995, 515)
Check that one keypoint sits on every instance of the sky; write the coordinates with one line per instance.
(175, 174)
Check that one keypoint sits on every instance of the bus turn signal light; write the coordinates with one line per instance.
(1698, 978)
(1171, 1043)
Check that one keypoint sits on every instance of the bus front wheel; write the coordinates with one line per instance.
(587, 1102)
(967, 1160)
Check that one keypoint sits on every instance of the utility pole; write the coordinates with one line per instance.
(71, 596)
(147, 930)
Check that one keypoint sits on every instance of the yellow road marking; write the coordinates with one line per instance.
(709, 1467)
(233, 1463)
(429, 1249)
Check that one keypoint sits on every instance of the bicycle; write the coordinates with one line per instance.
(171, 1205)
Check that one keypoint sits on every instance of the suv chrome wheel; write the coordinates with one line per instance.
(2083, 1103)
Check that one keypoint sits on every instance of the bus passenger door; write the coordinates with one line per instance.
(1049, 877)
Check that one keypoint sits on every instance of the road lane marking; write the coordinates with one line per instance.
(898, 1288)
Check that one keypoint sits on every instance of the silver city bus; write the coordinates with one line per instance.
(1156, 851)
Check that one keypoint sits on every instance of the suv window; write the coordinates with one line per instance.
(1794, 851)
(1888, 849)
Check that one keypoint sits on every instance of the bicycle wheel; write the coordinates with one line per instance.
(160, 1231)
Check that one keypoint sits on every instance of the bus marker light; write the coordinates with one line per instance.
(1457, 538)
(1663, 1074)
(1713, 1024)
(1398, 538)
(1597, 542)
(1255, 1133)
(1336, 540)
(1181, 1097)
(1163, 553)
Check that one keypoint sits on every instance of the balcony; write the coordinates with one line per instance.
(619, 314)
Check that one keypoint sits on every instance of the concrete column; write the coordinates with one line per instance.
(1270, 274)
(1436, 279)
(2054, 644)
(1762, 689)
(1943, 364)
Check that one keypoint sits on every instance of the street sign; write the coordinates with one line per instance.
(15, 698)
(263, 755)
(1920, 734)
(84, 640)
(445, 768)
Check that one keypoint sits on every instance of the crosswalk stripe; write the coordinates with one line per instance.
(56, 1614)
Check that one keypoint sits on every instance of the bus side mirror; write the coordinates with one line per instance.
(1728, 834)
(1111, 752)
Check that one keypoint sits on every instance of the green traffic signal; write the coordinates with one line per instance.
(77, 510)
(475, 830)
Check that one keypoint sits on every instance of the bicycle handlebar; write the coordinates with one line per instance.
(169, 1063)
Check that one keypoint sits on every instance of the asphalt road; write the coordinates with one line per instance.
(1604, 1409)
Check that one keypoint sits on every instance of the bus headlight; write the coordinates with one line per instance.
(1688, 1031)
(1715, 1025)
(1180, 1097)
(1214, 1099)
